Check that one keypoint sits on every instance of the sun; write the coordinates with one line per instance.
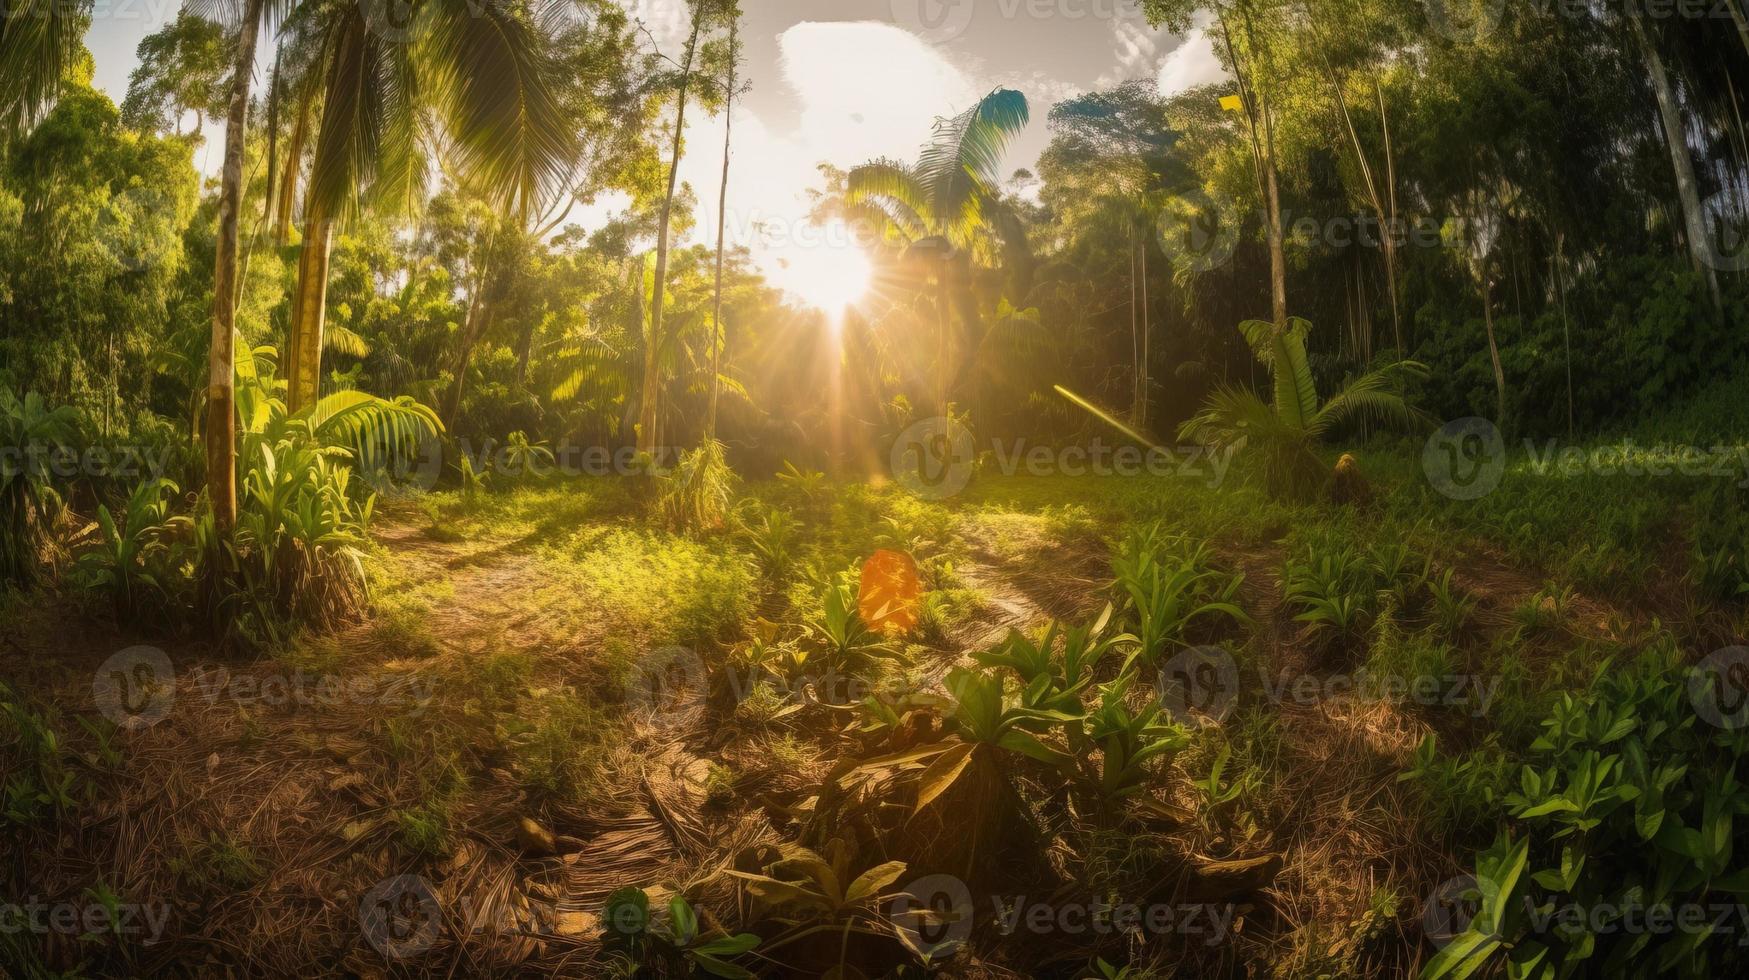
(830, 277)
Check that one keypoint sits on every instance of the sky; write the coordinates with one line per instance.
(843, 81)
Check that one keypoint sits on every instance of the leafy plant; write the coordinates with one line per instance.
(30, 433)
(523, 458)
(1629, 803)
(1167, 595)
(806, 484)
(838, 628)
(1053, 679)
(695, 495)
(1217, 795)
(1285, 431)
(679, 948)
(772, 534)
(1128, 739)
(132, 561)
(1333, 587)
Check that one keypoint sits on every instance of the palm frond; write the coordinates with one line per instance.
(1376, 396)
(343, 340)
(892, 190)
(960, 165)
(349, 137)
(493, 81)
(374, 429)
(39, 40)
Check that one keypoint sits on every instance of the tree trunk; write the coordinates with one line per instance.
(649, 407)
(309, 312)
(473, 328)
(944, 341)
(1277, 255)
(1147, 344)
(1493, 349)
(1566, 325)
(1687, 188)
(1135, 335)
(718, 338)
(221, 411)
(287, 189)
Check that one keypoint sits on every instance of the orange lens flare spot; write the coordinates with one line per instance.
(890, 593)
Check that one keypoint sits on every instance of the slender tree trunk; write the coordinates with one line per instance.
(1263, 162)
(1493, 347)
(1135, 336)
(944, 343)
(287, 189)
(221, 411)
(1687, 188)
(718, 337)
(272, 143)
(309, 311)
(648, 413)
(1277, 253)
(1566, 326)
(473, 328)
(1147, 342)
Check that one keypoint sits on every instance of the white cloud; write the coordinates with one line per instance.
(1191, 64)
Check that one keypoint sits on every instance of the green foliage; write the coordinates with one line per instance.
(679, 947)
(1169, 585)
(1129, 739)
(695, 495)
(30, 434)
(1284, 432)
(137, 560)
(1628, 803)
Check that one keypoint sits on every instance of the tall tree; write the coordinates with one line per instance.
(481, 71)
(1242, 26)
(718, 335)
(649, 405)
(221, 411)
(1681, 162)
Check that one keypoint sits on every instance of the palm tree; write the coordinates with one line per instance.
(39, 39)
(480, 71)
(945, 207)
(1284, 431)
